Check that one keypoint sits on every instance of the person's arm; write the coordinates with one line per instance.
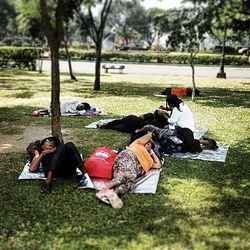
(174, 116)
(157, 163)
(146, 138)
(35, 163)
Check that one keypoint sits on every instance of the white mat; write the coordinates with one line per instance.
(84, 113)
(145, 184)
(94, 124)
(218, 155)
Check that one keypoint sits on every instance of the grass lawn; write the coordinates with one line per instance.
(198, 205)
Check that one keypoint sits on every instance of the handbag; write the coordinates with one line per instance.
(100, 163)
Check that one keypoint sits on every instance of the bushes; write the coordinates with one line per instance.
(16, 57)
(21, 58)
(154, 57)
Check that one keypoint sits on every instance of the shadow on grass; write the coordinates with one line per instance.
(219, 98)
(229, 181)
(77, 217)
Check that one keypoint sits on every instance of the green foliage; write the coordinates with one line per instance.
(154, 57)
(198, 205)
(15, 57)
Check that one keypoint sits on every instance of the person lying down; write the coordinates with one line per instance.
(130, 163)
(68, 107)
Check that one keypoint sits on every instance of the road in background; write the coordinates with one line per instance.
(155, 69)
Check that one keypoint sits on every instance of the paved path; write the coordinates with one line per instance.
(156, 69)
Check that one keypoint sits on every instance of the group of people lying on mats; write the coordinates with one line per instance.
(62, 160)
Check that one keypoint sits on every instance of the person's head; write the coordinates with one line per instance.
(50, 142)
(83, 106)
(173, 101)
(32, 147)
(149, 145)
(208, 144)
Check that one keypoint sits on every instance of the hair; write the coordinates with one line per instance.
(36, 145)
(190, 90)
(55, 139)
(152, 144)
(173, 101)
(213, 144)
(83, 106)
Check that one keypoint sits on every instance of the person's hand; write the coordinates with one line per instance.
(162, 107)
(48, 151)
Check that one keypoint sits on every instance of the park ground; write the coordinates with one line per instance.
(198, 205)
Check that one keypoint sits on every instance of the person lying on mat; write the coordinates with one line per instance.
(179, 91)
(136, 160)
(129, 123)
(179, 114)
(58, 161)
(66, 107)
(177, 139)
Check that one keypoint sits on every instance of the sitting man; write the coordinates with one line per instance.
(58, 160)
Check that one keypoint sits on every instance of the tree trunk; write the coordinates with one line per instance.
(191, 61)
(55, 92)
(221, 73)
(97, 85)
(72, 76)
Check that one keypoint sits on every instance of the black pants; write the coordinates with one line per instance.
(63, 162)
(190, 144)
(127, 124)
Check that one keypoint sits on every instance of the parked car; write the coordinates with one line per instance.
(244, 51)
(124, 47)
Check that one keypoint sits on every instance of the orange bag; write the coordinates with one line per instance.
(179, 91)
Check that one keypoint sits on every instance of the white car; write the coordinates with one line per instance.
(243, 51)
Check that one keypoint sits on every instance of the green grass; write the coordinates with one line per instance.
(198, 205)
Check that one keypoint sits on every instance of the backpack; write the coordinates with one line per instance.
(100, 163)
(170, 147)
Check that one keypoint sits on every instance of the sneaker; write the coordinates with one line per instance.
(83, 182)
(46, 188)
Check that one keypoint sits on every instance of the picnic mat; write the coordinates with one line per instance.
(94, 111)
(218, 155)
(145, 184)
(94, 124)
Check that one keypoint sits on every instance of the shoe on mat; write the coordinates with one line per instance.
(114, 199)
(102, 197)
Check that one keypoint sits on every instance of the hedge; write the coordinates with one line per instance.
(19, 57)
(153, 57)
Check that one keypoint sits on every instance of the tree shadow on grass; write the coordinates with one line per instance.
(218, 98)
(125, 89)
(229, 181)
(77, 217)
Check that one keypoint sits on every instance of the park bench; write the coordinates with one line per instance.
(107, 67)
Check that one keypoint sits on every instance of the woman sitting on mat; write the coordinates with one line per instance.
(58, 161)
(177, 113)
(136, 160)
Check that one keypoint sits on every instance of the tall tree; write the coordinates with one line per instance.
(94, 27)
(53, 13)
(188, 31)
(223, 13)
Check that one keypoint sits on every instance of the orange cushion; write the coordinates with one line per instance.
(179, 91)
